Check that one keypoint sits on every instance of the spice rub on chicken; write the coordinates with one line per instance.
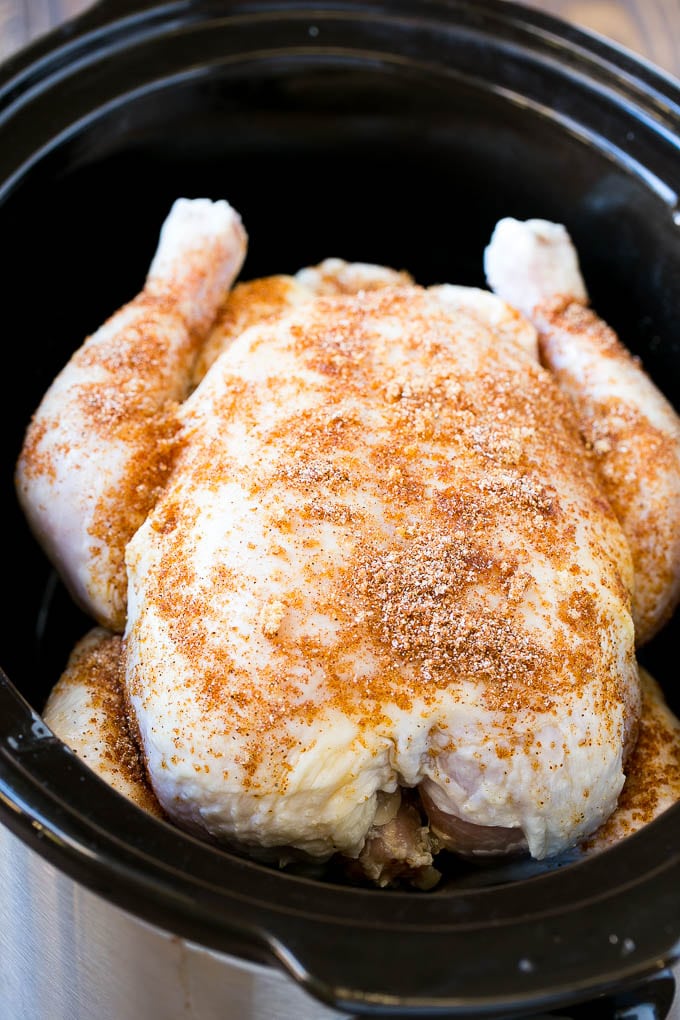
(381, 559)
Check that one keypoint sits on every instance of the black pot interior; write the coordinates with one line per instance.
(402, 158)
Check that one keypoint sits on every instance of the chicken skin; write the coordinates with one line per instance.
(377, 597)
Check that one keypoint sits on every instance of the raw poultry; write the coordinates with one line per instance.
(373, 589)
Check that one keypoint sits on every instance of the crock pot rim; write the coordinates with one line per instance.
(108, 20)
(103, 15)
(81, 845)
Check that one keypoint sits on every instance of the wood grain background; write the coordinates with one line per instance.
(648, 27)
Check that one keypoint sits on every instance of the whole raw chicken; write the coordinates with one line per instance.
(368, 561)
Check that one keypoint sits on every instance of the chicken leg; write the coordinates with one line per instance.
(100, 445)
(630, 427)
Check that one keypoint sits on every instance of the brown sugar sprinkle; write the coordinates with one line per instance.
(653, 769)
(310, 473)
(35, 461)
(121, 512)
(141, 353)
(609, 428)
(612, 430)
(272, 616)
(140, 380)
(424, 601)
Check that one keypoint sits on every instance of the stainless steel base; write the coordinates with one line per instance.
(67, 954)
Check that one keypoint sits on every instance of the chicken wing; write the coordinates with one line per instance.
(86, 709)
(652, 772)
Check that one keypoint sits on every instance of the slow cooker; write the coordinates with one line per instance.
(392, 132)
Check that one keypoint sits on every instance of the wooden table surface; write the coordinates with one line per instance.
(648, 27)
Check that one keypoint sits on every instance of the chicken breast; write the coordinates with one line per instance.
(382, 560)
